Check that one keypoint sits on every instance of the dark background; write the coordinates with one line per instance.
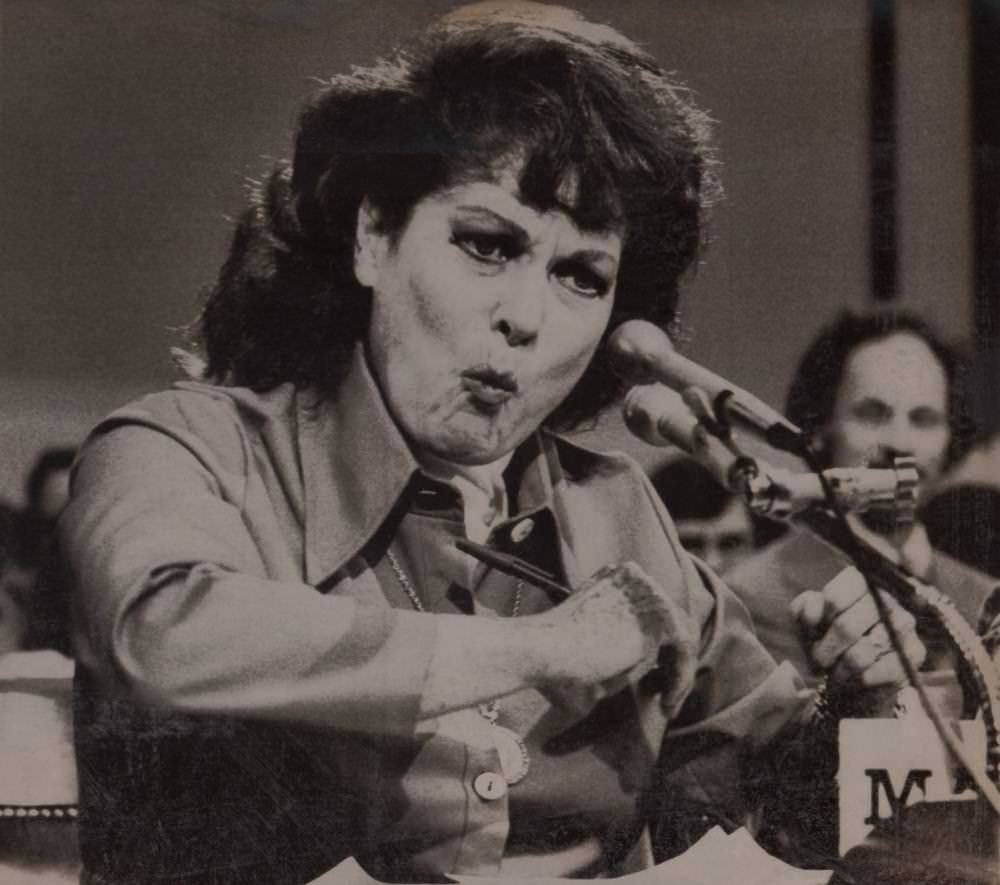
(129, 129)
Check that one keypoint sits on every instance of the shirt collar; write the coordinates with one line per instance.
(356, 467)
(483, 491)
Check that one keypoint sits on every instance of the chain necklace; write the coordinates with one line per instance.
(514, 757)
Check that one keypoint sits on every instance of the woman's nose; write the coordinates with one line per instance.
(519, 309)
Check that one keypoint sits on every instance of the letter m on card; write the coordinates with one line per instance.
(887, 765)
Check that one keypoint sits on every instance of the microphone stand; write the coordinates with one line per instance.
(717, 448)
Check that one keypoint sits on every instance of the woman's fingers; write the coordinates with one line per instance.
(612, 631)
(865, 652)
(870, 666)
(815, 608)
(807, 608)
(849, 640)
(889, 670)
(842, 633)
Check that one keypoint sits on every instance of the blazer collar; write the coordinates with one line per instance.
(355, 467)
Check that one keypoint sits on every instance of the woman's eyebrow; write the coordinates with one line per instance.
(509, 226)
(595, 256)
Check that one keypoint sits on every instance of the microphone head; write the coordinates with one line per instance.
(658, 416)
(634, 348)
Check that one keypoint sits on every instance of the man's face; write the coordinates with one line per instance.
(722, 541)
(893, 400)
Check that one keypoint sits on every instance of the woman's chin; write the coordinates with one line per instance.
(469, 453)
(473, 440)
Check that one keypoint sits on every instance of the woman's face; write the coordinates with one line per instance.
(485, 314)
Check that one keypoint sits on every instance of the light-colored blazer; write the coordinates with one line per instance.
(247, 698)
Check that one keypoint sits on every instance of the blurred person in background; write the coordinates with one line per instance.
(16, 581)
(869, 388)
(34, 610)
(964, 521)
(38, 784)
(712, 523)
(47, 489)
(981, 465)
(46, 494)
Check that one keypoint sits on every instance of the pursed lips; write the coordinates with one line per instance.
(488, 385)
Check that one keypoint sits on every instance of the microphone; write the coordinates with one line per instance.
(660, 417)
(642, 352)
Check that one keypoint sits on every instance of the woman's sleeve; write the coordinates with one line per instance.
(172, 605)
(741, 702)
(745, 750)
(741, 698)
(742, 746)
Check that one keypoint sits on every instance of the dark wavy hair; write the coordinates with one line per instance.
(813, 392)
(534, 88)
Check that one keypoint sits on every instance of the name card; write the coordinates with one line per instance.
(888, 765)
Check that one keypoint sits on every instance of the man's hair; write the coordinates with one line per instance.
(816, 383)
(534, 89)
(689, 490)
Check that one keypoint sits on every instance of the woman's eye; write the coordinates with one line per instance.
(582, 280)
(489, 248)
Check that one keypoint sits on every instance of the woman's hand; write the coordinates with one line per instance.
(848, 640)
(610, 633)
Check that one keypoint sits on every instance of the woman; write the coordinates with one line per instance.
(278, 666)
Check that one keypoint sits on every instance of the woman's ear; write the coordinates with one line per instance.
(369, 245)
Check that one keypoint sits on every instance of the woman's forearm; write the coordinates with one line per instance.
(609, 630)
(477, 659)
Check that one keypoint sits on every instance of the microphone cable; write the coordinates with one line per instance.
(856, 551)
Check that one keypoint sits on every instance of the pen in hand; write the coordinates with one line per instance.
(515, 567)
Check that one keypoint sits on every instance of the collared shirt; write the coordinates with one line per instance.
(482, 491)
(250, 680)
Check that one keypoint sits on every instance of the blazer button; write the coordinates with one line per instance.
(490, 786)
(521, 530)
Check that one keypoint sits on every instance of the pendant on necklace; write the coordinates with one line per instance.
(514, 758)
